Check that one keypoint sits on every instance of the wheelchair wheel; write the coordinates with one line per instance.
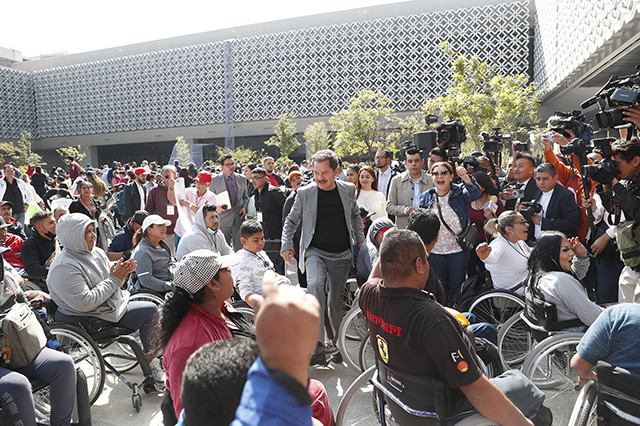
(76, 343)
(548, 366)
(584, 412)
(247, 311)
(148, 296)
(353, 330)
(350, 296)
(496, 307)
(367, 356)
(515, 342)
(359, 394)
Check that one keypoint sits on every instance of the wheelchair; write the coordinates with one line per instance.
(495, 307)
(613, 400)
(88, 342)
(81, 411)
(402, 399)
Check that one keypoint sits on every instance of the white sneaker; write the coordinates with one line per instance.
(157, 371)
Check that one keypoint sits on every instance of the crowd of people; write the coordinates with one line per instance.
(411, 233)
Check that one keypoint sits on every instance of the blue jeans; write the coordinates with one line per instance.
(481, 329)
(451, 269)
(20, 216)
(51, 366)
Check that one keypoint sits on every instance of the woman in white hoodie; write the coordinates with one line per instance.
(83, 284)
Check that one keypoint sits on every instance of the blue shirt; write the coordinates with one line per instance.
(122, 241)
(266, 402)
(614, 337)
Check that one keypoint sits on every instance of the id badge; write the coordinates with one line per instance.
(259, 216)
(171, 210)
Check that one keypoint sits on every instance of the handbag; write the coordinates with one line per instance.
(468, 238)
(22, 336)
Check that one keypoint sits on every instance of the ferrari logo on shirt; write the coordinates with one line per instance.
(383, 349)
(463, 367)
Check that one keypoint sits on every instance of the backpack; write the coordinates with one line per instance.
(120, 202)
(628, 239)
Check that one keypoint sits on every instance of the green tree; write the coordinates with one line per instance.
(317, 137)
(27, 156)
(482, 98)
(183, 151)
(285, 137)
(8, 153)
(71, 151)
(358, 127)
(243, 155)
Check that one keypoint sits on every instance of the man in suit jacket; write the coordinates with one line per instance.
(524, 165)
(236, 185)
(405, 189)
(560, 211)
(330, 218)
(135, 194)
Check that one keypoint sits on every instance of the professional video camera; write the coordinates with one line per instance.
(449, 135)
(618, 92)
(561, 121)
(494, 142)
(452, 133)
(606, 165)
(529, 208)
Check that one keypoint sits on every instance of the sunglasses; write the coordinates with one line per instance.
(446, 172)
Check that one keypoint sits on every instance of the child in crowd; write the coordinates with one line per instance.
(254, 262)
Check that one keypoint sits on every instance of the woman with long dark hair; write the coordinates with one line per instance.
(197, 312)
(85, 203)
(556, 265)
(367, 194)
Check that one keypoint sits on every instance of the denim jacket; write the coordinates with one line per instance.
(459, 199)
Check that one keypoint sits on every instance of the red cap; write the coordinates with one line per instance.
(383, 230)
(203, 177)
(140, 171)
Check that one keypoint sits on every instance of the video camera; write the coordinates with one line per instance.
(617, 92)
(495, 142)
(450, 133)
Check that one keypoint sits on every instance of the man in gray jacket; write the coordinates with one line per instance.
(330, 219)
(405, 189)
(204, 234)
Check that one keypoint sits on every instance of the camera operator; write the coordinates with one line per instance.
(436, 155)
(564, 129)
(626, 194)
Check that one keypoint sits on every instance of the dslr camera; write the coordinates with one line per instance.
(529, 208)
(606, 165)
(618, 93)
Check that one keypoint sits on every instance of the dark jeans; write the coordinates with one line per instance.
(139, 316)
(608, 275)
(16, 398)
(451, 269)
(481, 329)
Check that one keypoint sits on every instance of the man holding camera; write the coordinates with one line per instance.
(559, 209)
(626, 194)
(524, 187)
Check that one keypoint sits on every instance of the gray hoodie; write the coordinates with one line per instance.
(79, 279)
(200, 237)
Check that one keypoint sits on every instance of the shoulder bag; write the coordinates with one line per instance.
(468, 238)
(23, 335)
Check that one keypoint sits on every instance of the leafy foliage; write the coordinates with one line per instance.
(183, 151)
(482, 99)
(317, 137)
(71, 150)
(285, 137)
(358, 126)
(8, 153)
(243, 155)
(26, 156)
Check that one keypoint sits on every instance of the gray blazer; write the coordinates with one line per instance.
(305, 209)
(217, 186)
(401, 195)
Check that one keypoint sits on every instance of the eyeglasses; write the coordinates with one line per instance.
(227, 165)
(522, 222)
(258, 178)
(446, 172)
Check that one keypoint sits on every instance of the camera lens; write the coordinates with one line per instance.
(610, 118)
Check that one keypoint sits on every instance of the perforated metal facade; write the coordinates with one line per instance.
(17, 103)
(312, 71)
(570, 32)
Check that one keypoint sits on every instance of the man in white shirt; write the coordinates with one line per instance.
(385, 173)
(560, 211)
(195, 198)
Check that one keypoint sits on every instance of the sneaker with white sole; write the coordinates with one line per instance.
(157, 371)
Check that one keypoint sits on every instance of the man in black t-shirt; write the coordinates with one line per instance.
(330, 218)
(414, 334)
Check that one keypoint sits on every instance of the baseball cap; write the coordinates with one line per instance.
(139, 216)
(294, 173)
(3, 224)
(2, 203)
(203, 177)
(198, 268)
(154, 219)
(383, 230)
(140, 171)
